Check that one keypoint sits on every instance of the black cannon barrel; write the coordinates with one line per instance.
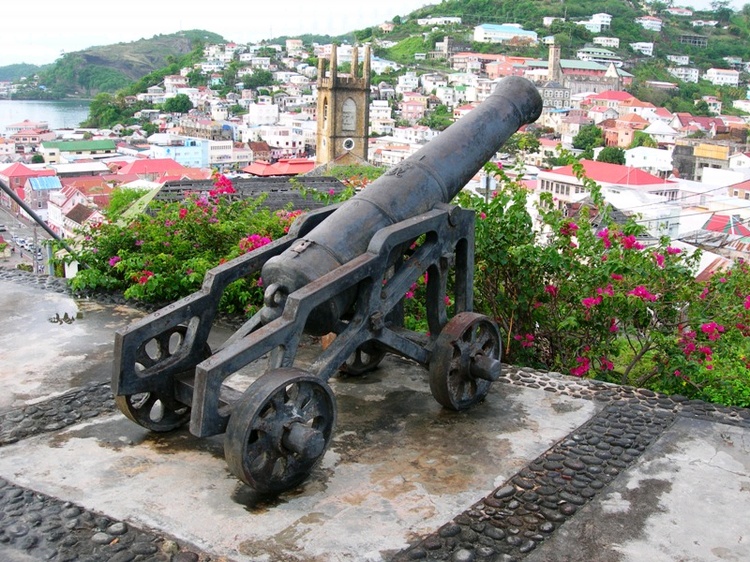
(434, 174)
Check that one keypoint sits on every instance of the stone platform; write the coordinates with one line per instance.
(547, 468)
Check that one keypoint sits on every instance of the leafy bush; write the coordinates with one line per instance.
(585, 296)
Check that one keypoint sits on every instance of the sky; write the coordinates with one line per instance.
(39, 32)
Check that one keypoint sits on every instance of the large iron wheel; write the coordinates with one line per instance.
(157, 411)
(280, 429)
(366, 358)
(465, 361)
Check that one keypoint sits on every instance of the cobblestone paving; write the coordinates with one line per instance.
(504, 526)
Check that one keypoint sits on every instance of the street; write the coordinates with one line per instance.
(25, 229)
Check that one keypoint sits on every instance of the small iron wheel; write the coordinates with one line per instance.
(157, 411)
(279, 429)
(465, 361)
(153, 411)
(366, 358)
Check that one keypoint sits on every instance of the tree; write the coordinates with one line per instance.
(179, 104)
(588, 137)
(643, 139)
(611, 154)
(259, 79)
(37, 159)
(439, 119)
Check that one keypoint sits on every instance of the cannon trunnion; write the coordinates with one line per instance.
(343, 269)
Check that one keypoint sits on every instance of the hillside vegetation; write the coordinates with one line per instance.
(110, 68)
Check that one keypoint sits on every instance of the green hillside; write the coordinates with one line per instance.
(110, 68)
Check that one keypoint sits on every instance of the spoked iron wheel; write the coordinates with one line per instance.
(280, 429)
(365, 359)
(154, 411)
(157, 411)
(465, 361)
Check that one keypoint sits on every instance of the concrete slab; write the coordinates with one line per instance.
(688, 498)
(399, 467)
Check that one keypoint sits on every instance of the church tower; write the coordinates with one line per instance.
(554, 69)
(343, 111)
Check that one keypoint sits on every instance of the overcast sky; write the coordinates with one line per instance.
(38, 31)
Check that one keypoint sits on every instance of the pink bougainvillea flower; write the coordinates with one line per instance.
(114, 260)
(568, 229)
(616, 277)
(608, 290)
(659, 260)
(672, 251)
(552, 290)
(183, 212)
(604, 235)
(630, 243)
(582, 368)
(712, 330)
(253, 242)
(589, 302)
(642, 292)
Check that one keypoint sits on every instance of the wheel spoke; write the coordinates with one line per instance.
(465, 337)
(280, 429)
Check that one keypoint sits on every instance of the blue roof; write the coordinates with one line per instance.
(45, 183)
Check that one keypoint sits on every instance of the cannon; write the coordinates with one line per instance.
(345, 270)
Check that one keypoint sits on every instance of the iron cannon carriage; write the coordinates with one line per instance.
(344, 270)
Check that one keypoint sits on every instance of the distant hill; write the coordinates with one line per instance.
(108, 68)
(14, 72)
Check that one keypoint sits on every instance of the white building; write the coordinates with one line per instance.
(600, 55)
(408, 82)
(685, 73)
(655, 161)
(643, 47)
(507, 32)
(261, 114)
(414, 134)
(649, 23)
(597, 23)
(442, 20)
(722, 77)
(680, 60)
(608, 42)
(742, 105)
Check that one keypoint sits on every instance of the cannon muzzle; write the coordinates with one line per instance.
(433, 175)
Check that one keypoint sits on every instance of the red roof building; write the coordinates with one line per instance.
(566, 187)
(284, 167)
(726, 224)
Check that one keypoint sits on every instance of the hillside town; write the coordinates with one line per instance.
(690, 180)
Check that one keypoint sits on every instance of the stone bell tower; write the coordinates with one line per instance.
(343, 111)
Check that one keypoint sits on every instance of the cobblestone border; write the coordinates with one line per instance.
(504, 526)
(45, 528)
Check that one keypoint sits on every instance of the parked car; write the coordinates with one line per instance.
(3, 228)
